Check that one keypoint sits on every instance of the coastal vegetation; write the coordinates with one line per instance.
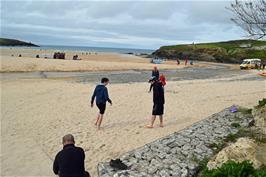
(237, 166)
(15, 42)
(224, 52)
(232, 168)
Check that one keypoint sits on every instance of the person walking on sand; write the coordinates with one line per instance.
(101, 94)
(186, 60)
(69, 161)
(158, 102)
(177, 61)
(155, 73)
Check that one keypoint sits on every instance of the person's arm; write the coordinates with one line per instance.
(83, 158)
(93, 96)
(151, 87)
(56, 166)
(106, 96)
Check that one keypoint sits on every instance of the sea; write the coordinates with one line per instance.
(90, 49)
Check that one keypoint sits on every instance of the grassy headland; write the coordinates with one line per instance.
(225, 52)
(14, 42)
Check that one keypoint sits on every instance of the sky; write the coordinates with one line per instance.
(123, 24)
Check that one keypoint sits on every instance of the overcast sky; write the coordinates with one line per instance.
(135, 24)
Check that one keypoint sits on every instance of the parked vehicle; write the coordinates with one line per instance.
(156, 60)
(250, 63)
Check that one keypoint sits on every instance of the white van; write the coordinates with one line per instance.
(250, 63)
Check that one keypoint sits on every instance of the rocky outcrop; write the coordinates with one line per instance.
(178, 154)
(243, 149)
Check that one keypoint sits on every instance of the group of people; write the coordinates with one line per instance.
(69, 162)
(157, 82)
(186, 61)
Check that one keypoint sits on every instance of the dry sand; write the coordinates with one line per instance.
(99, 62)
(108, 61)
(37, 113)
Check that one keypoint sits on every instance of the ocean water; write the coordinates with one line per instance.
(91, 49)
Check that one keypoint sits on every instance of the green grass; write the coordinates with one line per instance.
(261, 103)
(235, 124)
(234, 169)
(225, 50)
(226, 45)
(244, 110)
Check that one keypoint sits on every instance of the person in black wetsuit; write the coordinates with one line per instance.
(69, 162)
(158, 102)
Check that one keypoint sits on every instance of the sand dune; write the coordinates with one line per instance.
(37, 113)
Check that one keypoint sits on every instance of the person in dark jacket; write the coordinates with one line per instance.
(155, 73)
(158, 102)
(69, 162)
(101, 94)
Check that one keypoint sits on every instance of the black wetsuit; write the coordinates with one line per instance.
(158, 98)
(155, 74)
(69, 162)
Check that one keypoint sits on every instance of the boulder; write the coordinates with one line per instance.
(243, 149)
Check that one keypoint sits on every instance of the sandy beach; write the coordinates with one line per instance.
(44, 103)
(10, 62)
(36, 113)
(100, 62)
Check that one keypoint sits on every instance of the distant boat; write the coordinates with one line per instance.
(156, 60)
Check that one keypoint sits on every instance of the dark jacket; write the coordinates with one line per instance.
(158, 93)
(155, 74)
(69, 162)
(101, 94)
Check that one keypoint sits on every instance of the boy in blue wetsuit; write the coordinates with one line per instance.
(101, 94)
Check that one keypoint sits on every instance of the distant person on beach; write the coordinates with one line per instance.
(101, 94)
(262, 65)
(69, 161)
(155, 73)
(158, 102)
(186, 60)
(177, 61)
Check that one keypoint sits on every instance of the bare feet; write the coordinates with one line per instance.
(161, 125)
(148, 126)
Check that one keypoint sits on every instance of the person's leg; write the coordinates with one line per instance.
(161, 120)
(97, 119)
(152, 121)
(100, 121)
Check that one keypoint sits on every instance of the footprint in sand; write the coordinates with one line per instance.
(102, 146)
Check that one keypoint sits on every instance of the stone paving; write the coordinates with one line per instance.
(178, 154)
